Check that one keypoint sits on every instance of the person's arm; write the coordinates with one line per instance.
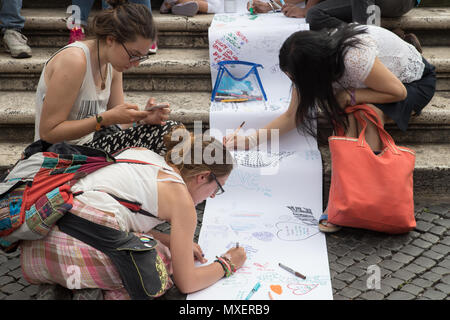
(284, 123)
(66, 76)
(291, 10)
(164, 238)
(382, 87)
(116, 96)
(177, 207)
(60, 96)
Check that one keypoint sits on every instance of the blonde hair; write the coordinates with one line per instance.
(184, 148)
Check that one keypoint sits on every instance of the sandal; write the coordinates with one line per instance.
(327, 227)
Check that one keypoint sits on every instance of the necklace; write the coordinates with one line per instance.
(99, 67)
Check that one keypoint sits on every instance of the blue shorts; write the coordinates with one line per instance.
(420, 93)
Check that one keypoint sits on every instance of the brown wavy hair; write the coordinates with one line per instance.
(124, 21)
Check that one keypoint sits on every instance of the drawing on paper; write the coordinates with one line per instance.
(217, 230)
(249, 250)
(301, 289)
(293, 231)
(276, 288)
(259, 159)
(305, 215)
(246, 214)
(312, 155)
(228, 47)
(263, 236)
(262, 267)
(271, 277)
(248, 181)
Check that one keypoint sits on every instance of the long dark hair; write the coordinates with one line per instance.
(314, 60)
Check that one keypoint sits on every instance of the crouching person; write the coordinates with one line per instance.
(107, 242)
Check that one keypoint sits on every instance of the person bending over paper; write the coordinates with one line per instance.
(107, 250)
(351, 65)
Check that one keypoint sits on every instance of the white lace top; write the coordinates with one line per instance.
(400, 57)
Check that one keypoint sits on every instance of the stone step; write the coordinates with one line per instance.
(431, 174)
(157, 3)
(168, 70)
(17, 115)
(434, 3)
(47, 27)
(65, 3)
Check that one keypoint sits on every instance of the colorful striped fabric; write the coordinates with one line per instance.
(60, 258)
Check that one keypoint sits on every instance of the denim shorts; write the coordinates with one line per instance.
(419, 95)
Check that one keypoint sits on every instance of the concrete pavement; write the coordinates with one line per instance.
(412, 266)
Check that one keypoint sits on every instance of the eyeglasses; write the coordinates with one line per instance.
(135, 58)
(219, 189)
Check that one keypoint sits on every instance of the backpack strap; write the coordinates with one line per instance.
(135, 206)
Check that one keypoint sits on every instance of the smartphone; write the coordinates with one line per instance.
(158, 106)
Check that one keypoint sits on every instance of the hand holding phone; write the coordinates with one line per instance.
(157, 106)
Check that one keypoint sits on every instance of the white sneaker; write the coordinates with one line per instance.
(16, 44)
(188, 9)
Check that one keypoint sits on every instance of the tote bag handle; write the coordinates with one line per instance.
(372, 116)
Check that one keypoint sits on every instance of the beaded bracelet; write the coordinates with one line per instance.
(226, 267)
(228, 260)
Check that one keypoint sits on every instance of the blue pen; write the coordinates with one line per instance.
(255, 288)
(282, 2)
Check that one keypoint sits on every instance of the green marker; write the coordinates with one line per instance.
(251, 8)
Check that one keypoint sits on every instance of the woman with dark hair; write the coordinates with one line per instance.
(333, 69)
(80, 97)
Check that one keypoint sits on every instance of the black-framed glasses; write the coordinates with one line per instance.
(135, 58)
(219, 189)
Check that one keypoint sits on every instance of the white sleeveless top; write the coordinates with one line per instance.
(133, 182)
(400, 57)
(90, 100)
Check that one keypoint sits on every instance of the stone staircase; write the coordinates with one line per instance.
(179, 73)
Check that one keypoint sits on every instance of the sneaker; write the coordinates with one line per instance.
(16, 44)
(167, 5)
(76, 34)
(188, 9)
(411, 38)
(153, 49)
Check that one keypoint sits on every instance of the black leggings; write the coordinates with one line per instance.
(147, 136)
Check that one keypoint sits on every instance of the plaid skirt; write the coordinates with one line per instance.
(62, 259)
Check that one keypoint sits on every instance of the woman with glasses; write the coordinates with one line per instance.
(76, 255)
(80, 97)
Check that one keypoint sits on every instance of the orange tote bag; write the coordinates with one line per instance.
(371, 191)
